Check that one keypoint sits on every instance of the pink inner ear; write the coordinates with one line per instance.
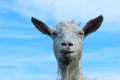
(95, 23)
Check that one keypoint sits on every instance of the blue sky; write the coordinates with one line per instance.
(26, 54)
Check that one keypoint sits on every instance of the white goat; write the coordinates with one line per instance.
(68, 38)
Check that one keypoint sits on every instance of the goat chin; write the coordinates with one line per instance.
(70, 70)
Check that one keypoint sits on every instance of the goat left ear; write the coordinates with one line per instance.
(41, 26)
(92, 25)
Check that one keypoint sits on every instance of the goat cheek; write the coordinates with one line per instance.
(56, 47)
(79, 48)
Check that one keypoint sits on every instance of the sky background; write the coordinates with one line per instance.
(26, 54)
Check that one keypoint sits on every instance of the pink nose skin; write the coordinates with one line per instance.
(67, 45)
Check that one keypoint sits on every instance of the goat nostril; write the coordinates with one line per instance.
(70, 44)
(67, 44)
(63, 44)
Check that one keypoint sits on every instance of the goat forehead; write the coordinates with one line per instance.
(68, 26)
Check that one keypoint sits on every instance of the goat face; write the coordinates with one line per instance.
(68, 37)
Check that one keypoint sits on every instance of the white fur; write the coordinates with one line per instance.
(68, 65)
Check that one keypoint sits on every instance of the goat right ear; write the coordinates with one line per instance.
(41, 26)
(93, 25)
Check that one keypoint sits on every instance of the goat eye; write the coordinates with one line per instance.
(54, 34)
(80, 33)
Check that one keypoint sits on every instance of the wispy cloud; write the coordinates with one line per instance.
(22, 61)
(16, 30)
(77, 9)
(18, 36)
(27, 68)
(74, 9)
(25, 56)
(16, 75)
(103, 75)
(103, 55)
(102, 64)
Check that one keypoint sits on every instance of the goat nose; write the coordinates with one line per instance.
(67, 44)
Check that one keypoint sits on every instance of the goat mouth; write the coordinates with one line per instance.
(66, 52)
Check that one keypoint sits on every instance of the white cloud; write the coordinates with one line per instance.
(17, 36)
(15, 75)
(17, 68)
(79, 10)
(102, 75)
(16, 30)
(109, 54)
(23, 61)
